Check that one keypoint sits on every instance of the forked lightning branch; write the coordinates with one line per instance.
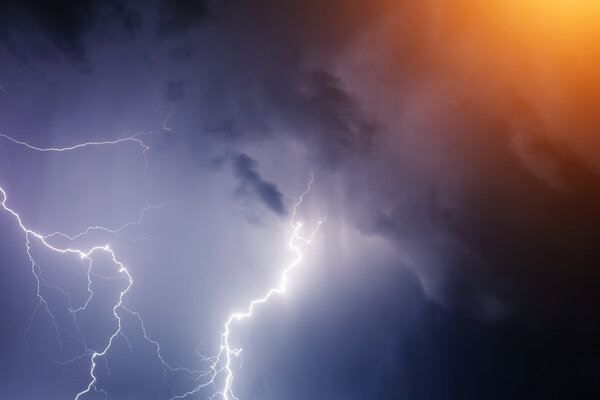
(218, 378)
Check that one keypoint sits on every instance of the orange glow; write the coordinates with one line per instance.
(545, 51)
(552, 48)
(532, 64)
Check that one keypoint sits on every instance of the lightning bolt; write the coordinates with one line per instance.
(219, 366)
(83, 254)
(226, 348)
(222, 364)
(46, 241)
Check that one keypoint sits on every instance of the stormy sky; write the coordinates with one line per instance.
(453, 146)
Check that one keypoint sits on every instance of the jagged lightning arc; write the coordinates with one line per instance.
(83, 254)
(226, 349)
(87, 255)
(221, 364)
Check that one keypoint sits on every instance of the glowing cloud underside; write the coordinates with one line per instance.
(219, 375)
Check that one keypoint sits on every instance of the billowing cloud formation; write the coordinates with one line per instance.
(484, 108)
(465, 134)
(65, 24)
(465, 140)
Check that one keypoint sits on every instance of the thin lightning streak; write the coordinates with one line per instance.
(133, 138)
(118, 231)
(41, 299)
(167, 118)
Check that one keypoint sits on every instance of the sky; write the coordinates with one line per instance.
(451, 152)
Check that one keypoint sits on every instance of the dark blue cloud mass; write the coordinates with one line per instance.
(251, 183)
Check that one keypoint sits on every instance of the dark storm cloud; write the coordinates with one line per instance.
(260, 79)
(250, 182)
(179, 16)
(495, 215)
(330, 116)
(312, 105)
(498, 214)
(482, 217)
(538, 241)
(65, 23)
(514, 245)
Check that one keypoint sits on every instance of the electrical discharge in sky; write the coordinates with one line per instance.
(87, 255)
(220, 365)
